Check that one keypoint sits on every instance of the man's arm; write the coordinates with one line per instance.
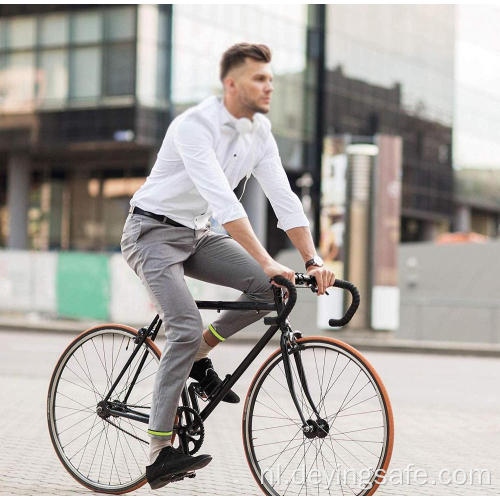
(291, 218)
(242, 232)
(302, 240)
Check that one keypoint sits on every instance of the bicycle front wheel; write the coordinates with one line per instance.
(107, 454)
(352, 457)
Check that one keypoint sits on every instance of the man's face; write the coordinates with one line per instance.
(251, 85)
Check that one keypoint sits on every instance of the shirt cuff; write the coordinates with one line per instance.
(230, 213)
(297, 219)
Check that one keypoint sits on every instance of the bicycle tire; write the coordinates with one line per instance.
(79, 359)
(252, 420)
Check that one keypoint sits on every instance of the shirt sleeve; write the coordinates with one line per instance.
(271, 175)
(194, 142)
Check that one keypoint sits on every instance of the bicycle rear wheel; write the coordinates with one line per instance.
(353, 456)
(107, 454)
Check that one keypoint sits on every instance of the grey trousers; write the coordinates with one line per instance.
(161, 254)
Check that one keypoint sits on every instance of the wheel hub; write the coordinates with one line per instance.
(316, 428)
(103, 409)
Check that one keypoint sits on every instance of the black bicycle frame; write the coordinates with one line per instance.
(189, 397)
(229, 381)
(287, 345)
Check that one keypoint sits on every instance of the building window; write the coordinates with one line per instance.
(56, 60)
(17, 83)
(54, 74)
(3, 34)
(85, 73)
(119, 66)
(120, 23)
(53, 30)
(87, 27)
(21, 33)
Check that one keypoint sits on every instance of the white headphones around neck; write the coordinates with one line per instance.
(244, 125)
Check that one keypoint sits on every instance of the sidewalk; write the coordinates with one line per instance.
(362, 340)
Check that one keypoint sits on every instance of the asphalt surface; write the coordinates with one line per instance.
(446, 412)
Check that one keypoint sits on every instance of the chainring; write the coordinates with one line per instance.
(189, 429)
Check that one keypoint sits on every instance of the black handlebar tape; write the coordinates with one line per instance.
(346, 285)
(292, 296)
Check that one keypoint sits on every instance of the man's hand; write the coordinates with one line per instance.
(324, 278)
(276, 269)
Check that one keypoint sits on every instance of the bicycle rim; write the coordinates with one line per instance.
(107, 455)
(353, 458)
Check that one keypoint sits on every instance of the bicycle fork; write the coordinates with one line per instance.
(311, 428)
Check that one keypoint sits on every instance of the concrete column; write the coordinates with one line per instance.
(430, 231)
(462, 219)
(255, 202)
(18, 185)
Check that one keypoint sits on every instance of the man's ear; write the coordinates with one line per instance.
(229, 84)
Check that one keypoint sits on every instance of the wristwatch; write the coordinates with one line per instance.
(316, 261)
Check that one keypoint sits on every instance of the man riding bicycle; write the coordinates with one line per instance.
(206, 152)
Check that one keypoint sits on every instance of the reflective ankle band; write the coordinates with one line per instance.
(215, 334)
(157, 433)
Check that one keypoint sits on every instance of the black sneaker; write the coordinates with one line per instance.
(171, 465)
(204, 373)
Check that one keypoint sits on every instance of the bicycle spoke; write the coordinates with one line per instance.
(76, 423)
(87, 374)
(348, 451)
(78, 385)
(76, 410)
(301, 460)
(275, 442)
(357, 441)
(75, 454)
(360, 402)
(273, 410)
(342, 406)
(102, 364)
(288, 416)
(124, 454)
(90, 387)
(71, 399)
(274, 427)
(88, 371)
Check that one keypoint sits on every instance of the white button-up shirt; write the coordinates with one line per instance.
(204, 157)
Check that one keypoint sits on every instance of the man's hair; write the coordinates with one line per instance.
(236, 55)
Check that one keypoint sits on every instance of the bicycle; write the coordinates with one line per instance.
(340, 422)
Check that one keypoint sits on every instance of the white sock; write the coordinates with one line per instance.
(203, 350)
(155, 446)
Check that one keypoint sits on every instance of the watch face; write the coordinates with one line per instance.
(318, 260)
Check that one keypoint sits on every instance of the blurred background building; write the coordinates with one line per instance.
(86, 94)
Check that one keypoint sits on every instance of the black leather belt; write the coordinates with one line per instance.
(161, 218)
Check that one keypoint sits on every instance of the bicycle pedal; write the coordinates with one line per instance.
(181, 476)
(200, 393)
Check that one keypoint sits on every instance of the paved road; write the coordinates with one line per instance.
(446, 409)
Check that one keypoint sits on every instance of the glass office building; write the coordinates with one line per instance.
(99, 86)
(87, 92)
(78, 121)
(390, 70)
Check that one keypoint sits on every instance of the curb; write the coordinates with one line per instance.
(361, 341)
